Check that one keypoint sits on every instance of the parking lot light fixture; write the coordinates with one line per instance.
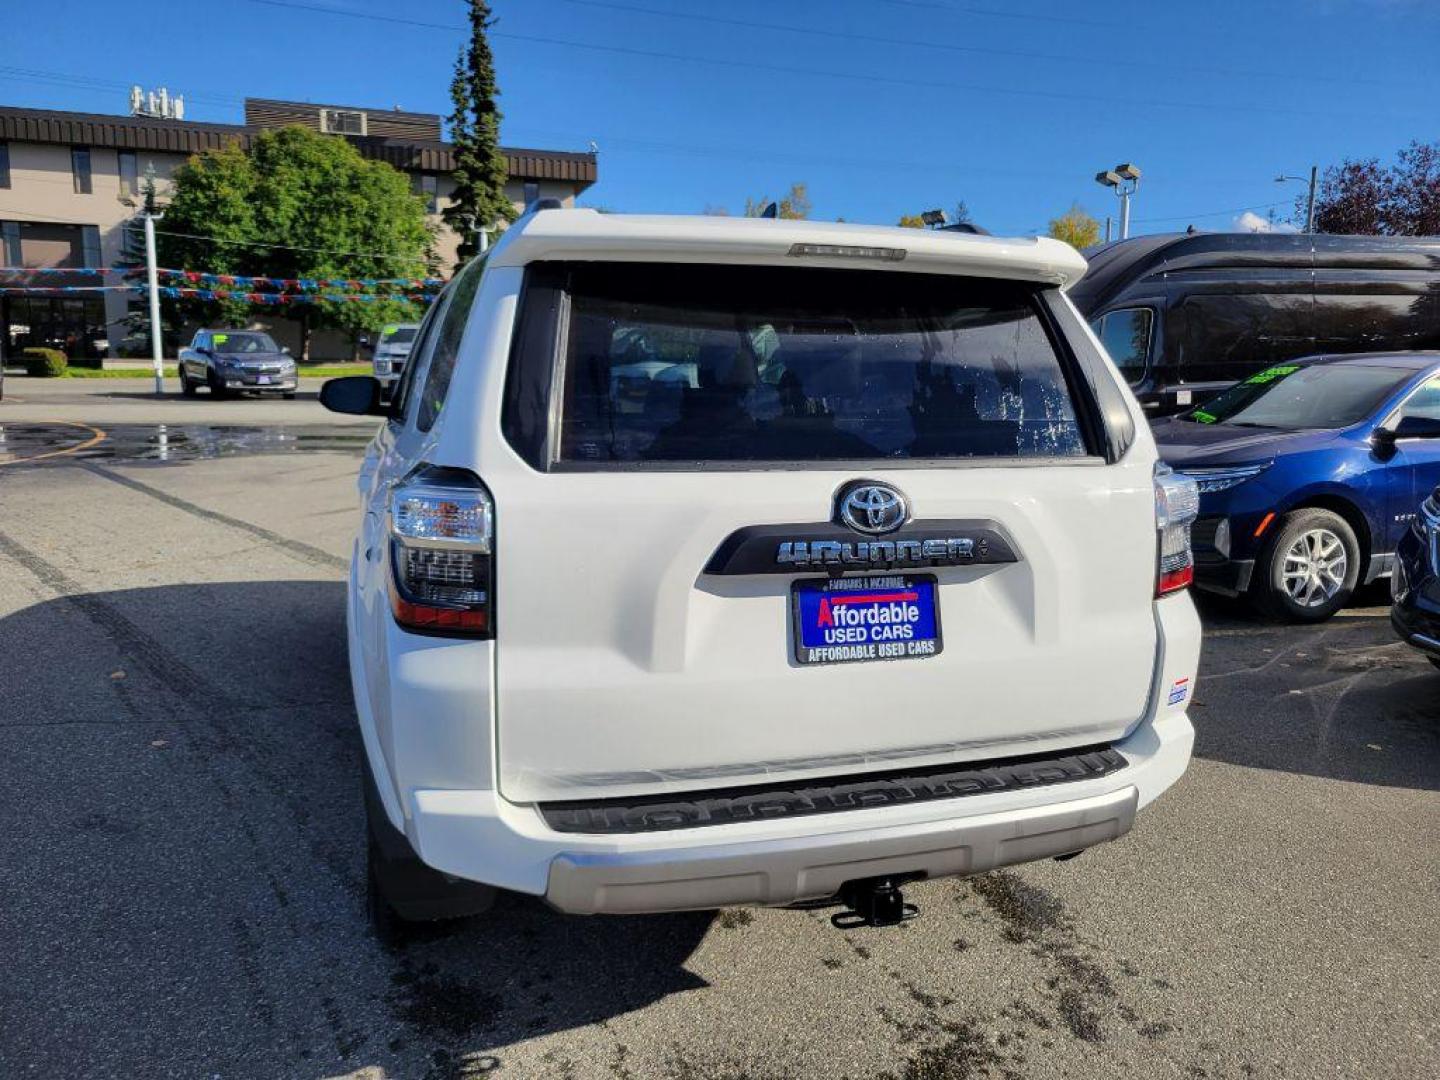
(1123, 180)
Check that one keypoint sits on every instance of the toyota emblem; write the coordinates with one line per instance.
(872, 508)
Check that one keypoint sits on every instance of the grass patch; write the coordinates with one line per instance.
(334, 371)
(115, 373)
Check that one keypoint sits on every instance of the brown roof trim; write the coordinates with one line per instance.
(189, 137)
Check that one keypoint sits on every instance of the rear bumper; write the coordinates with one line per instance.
(816, 867)
(478, 836)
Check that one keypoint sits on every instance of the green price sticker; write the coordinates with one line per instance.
(220, 339)
(1200, 416)
(1269, 375)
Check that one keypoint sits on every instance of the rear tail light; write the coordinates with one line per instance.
(442, 536)
(1177, 505)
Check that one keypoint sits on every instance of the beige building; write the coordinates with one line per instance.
(70, 189)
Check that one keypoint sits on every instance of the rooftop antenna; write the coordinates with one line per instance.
(157, 104)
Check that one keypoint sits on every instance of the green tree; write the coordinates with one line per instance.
(1076, 228)
(794, 205)
(479, 200)
(911, 221)
(298, 204)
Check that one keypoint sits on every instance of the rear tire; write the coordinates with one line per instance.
(186, 386)
(1309, 569)
(399, 887)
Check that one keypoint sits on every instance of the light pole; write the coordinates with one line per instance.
(1123, 180)
(1309, 199)
(157, 343)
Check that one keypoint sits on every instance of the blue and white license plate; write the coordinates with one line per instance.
(842, 620)
(263, 379)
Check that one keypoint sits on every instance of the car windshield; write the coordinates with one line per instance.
(244, 343)
(1294, 396)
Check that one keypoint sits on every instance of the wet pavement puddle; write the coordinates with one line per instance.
(65, 442)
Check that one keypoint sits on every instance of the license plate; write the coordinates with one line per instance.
(262, 379)
(843, 620)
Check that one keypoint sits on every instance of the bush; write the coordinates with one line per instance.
(46, 363)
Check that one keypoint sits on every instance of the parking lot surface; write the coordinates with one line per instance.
(182, 862)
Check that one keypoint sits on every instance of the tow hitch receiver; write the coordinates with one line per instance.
(874, 902)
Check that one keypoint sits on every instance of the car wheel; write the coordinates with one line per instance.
(1310, 567)
(217, 386)
(186, 386)
(399, 887)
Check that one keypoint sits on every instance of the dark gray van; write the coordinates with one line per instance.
(1185, 315)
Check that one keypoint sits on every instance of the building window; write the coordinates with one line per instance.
(532, 192)
(4, 165)
(129, 174)
(427, 184)
(90, 245)
(80, 169)
(342, 122)
(10, 254)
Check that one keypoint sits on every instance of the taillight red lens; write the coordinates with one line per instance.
(442, 554)
(1177, 505)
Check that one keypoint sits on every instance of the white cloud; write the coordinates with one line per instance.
(1250, 221)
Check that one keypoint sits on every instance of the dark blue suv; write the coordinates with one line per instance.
(1415, 582)
(1311, 472)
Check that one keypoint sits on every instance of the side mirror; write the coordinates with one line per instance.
(357, 395)
(1418, 427)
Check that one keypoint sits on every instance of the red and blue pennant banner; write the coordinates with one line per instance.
(199, 277)
(48, 289)
(176, 292)
(90, 270)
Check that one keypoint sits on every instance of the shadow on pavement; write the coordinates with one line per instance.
(1345, 699)
(182, 863)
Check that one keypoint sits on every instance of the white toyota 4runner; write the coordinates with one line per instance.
(712, 561)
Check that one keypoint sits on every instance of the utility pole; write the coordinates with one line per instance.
(1310, 202)
(152, 275)
(1309, 198)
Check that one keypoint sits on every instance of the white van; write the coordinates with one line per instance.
(710, 561)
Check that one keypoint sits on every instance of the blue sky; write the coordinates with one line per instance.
(882, 107)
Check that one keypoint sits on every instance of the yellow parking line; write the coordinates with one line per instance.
(97, 436)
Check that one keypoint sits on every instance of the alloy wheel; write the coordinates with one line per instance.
(1315, 568)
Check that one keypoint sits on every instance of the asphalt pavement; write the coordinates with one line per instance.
(181, 861)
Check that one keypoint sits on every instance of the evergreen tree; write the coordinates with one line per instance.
(479, 200)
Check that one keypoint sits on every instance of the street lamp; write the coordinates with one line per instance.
(1123, 180)
(1309, 200)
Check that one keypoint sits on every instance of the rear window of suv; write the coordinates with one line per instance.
(709, 364)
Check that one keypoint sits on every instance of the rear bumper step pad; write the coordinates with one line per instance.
(689, 810)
